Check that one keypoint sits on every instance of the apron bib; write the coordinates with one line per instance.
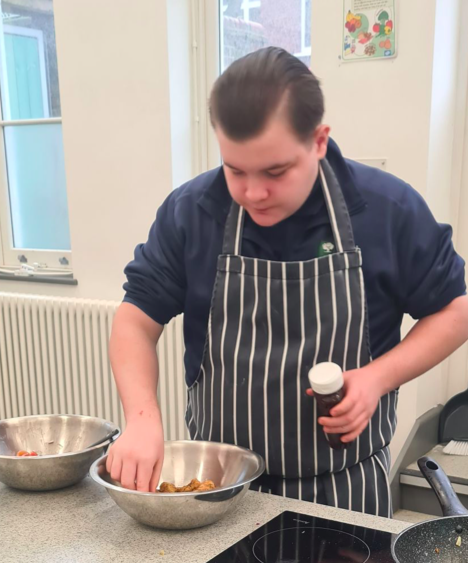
(269, 323)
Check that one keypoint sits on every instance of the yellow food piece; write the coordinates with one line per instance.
(167, 488)
(206, 486)
(193, 486)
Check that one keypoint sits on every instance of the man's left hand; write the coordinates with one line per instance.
(352, 415)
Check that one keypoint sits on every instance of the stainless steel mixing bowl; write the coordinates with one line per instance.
(231, 468)
(60, 441)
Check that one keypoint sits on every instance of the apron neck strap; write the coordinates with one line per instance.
(233, 230)
(337, 211)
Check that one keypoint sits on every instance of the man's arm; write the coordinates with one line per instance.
(136, 458)
(431, 340)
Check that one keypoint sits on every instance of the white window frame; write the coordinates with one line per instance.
(11, 257)
(205, 64)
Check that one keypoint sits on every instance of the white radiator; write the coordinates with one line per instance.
(54, 360)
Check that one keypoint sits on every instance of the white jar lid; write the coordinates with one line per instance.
(326, 378)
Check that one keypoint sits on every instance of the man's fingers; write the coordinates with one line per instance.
(129, 471)
(116, 469)
(143, 476)
(344, 420)
(346, 428)
(156, 475)
(346, 405)
(353, 435)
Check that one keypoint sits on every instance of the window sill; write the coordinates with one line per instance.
(40, 279)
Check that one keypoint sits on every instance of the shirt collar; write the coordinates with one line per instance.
(216, 199)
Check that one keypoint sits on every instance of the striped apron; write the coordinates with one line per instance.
(269, 323)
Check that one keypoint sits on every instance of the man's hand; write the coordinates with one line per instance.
(136, 458)
(429, 342)
(352, 415)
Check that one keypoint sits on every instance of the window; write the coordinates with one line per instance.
(246, 26)
(33, 200)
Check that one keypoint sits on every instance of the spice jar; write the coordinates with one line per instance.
(326, 380)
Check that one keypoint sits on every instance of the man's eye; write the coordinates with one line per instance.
(276, 174)
(237, 173)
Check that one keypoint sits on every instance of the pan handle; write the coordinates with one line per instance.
(440, 483)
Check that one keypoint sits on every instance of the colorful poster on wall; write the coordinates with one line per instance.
(368, 30)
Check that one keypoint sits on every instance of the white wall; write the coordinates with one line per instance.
(114, 82)
(458, 364)
(379, 108)
(403, 110)
(458, 380)
(443, 182)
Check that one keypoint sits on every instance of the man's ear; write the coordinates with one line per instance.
(321, 140)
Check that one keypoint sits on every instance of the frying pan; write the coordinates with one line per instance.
(452, 420)
(444, 540)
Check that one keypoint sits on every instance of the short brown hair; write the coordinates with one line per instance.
(249, 91)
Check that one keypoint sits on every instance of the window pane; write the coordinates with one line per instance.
(249, 25)
(30, 88)
(36, 177)
(255, 15)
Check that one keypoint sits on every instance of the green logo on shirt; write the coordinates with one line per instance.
(326, 248)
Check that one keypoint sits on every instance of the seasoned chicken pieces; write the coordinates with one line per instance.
(206, 486)
(167, 488)
(193, 486)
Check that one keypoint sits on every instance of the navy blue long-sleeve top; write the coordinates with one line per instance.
(409, 262)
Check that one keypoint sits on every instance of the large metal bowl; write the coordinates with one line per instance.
(231, 468)
(60, 441)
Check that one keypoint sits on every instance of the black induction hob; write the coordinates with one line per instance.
(297, 538)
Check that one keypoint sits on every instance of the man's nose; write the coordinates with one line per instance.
(256, 190)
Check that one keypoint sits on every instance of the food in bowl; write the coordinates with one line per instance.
(194, 486)
(24, 453)
(230, 467)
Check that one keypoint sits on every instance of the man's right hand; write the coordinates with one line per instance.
(136, 458)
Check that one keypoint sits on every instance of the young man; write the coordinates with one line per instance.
(286, 256)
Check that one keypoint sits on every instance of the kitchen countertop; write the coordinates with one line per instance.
(456, 466)
(82, 524)
(408, 516)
